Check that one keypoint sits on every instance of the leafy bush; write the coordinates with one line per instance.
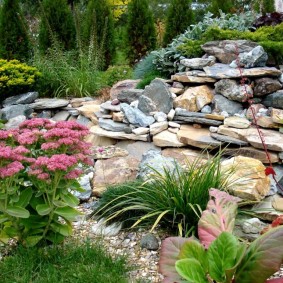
(270, 19)
(173, 200)
(144, 66)
(148, 78)
(191, 49)
(14, 43)
(16, 78)
(220, 256)
(167, 59)
(39, 164)
(116, 73)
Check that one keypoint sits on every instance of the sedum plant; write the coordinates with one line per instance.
(39, 165)
(218, 256)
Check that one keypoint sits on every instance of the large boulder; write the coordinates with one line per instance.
(24, 98)
(247, 178)
(264, 86)
(156, 98)
(227, 50)
(274, 99)
(122, 86)
(233, 90)
(221, 103)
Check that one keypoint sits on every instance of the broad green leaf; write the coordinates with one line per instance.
(193, 249)
(59, 203)
(262, 259)
(55, 238)
(67, 212)
(14, 198)
(25, 197)
(35, 221)
(191, 270)
(3, 218)
(75, 186)
(12, 190)
(11, 232)
(32, 240)
(4, 238)
(169, 254)
(17, 211)
(63, 229)
(222, 255)
(70, 199)
(43, 209)
(34, 201)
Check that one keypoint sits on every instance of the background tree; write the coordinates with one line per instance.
(179, 17)
(56, 22)
(264, 6)
(14, 40)
(140, 30)
(98, 31)
(226, 6)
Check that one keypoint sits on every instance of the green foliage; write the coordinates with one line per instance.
(57, 24)
(144, 67)
(167, 59)
(74, 262)
(98, 31)
(140, 30)
(14, 43)
(116, 73)
(264, 6)
(16, 78)
(225, 6)
(148, 77)
(179, 17)
(173, 199)
(191, 49)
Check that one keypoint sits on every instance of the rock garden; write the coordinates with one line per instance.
(180, 180)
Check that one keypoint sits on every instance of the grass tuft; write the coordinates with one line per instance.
(70, 263)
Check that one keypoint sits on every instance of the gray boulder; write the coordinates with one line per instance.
(129, 95)
(257, 57)
(136, 116)
(222, 103)
(154, 159)
(25, 98)
(274, 100)
(12, 111)
(264, 86)
(233, 90)
(156, 97)
(110, 125)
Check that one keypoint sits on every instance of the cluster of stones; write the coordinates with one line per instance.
(204, 107)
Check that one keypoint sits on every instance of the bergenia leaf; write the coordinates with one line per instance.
(222, 255)
(262, 259)
(191, 270)
(193, 249)
(218, 217)
(169, 254)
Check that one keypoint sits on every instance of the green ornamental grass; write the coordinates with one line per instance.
(172, 200)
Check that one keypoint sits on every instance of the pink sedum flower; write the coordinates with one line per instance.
(74, 174)
(11, 169)
(38, 123)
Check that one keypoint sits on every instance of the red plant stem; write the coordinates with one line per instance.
(250, 102)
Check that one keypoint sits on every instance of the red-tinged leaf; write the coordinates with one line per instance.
(262, 259)
(269, 171)
(218, 217)
(169, 254)
(278, 221)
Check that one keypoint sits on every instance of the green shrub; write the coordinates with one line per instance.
(116, 73)
(173, 200)
(14, 43)
(140, 30)
(16, 78)
(144, 67)
(225, 6)
(146, 80)
(179, 17)
(57, 24)
(98, 31)
(191, 49)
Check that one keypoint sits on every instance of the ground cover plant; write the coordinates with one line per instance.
(173, 200)
(39, 164)
(69, 263)
(218, 256)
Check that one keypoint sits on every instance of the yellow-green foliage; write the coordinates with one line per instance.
(191, 49)
(16, 77)
(269, 37)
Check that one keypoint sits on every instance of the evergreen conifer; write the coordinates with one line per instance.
(98, 31)
(179, 18)
(57, 22)
(140, 30)
(14, 40)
